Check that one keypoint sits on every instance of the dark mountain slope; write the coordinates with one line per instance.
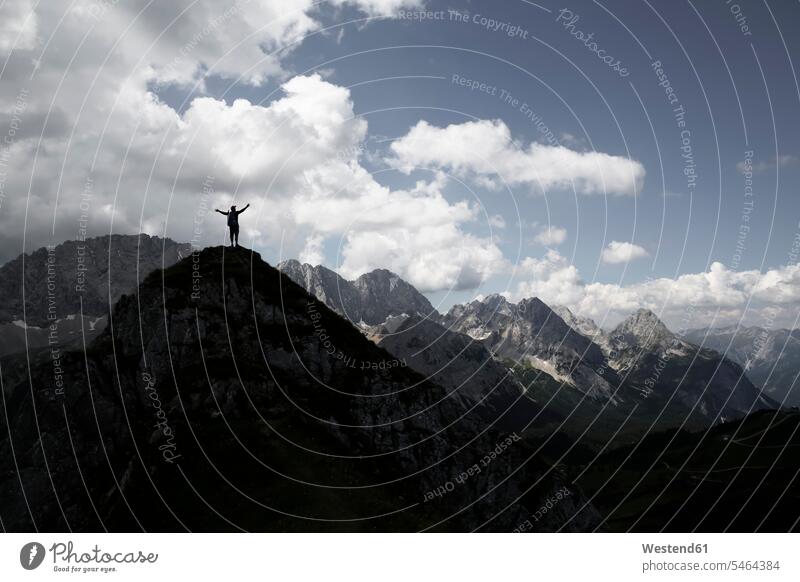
(740, 476)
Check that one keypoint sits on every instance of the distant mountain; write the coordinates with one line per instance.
(771, 358)
(383, 294)
(465, 367)
(73, 286)
(327, 286)
(248, 404)
(643, 328)
(369, 299)
(640, 364)
(531, 332)
(664, 368)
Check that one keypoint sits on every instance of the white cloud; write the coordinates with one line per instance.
(312, 253)
(691, 300)
(551, 278)
(380, 7)
(551, 236)
(622, 252)
(761, 166)
(485, 150)
(183, 40)
(497, 221)
(18, 26)
(415, 233)
(429, 258)
(253, 146)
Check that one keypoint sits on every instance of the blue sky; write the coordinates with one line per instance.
(709, 95)
(733, 77)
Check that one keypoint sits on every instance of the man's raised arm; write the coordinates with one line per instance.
(220, 211)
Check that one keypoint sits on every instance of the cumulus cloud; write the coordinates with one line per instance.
(18, 26)
(252, 146)
(416, 233)
(718, 295)
(550, 236)
(429, 258)
(622, 252)
(313, 253)
(551, 278)
(486, 151)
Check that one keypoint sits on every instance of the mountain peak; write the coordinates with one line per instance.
(643, 327)
(383, 293)
(538, 312)
(370, 299)
(646, 315)
(534, 302)
(297, 266)
(493, 299)
(379, 274)
(291, 264)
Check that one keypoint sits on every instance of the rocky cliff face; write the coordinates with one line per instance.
(466, 368)
(383, 294)
(370, 299)
(248, 404)
(640, 364)
(531, 332)
(327, 286)
(73, 286)
(643, 328)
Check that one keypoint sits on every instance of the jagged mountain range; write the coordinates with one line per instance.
(299, 386)
(623, 367)
(639, 364)
(529, 332)
(370, 299)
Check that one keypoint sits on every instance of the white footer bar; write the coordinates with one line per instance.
(400, 557)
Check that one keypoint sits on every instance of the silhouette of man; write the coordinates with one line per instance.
(233, 223)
